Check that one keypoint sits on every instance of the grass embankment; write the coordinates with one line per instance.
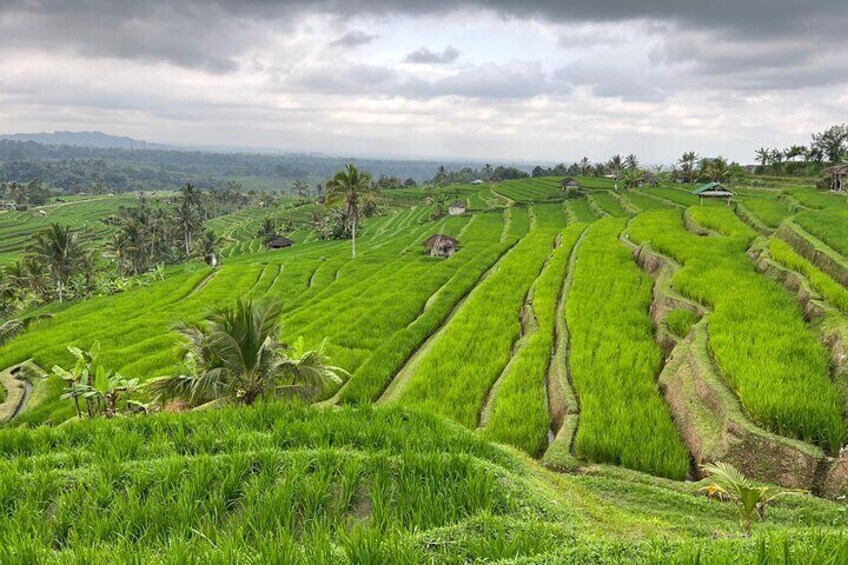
(615, 361)
(757, 331)
(469, 354)
(829, 225)
(521, 416)
(831, 291)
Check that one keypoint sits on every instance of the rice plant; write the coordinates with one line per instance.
(520, 414)
(465, 360)
(757, 332)
(615, 361)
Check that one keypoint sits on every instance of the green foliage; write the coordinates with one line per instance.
(750, 500)
(615, 361)
(235, 355)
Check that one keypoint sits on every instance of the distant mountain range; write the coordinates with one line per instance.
(96, 139)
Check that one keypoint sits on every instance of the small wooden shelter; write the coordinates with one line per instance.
(457, 208)
(569, 182)
(649, 179)
(838, 178)
(713, 190)
(279, 242)
(476, 182)
(440, 245)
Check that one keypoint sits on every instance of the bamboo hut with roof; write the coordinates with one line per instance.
(279, 242)
(713, 190)
(457, 208)
(838, 178)
(440, 245)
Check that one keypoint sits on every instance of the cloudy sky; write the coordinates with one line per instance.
(538, 80)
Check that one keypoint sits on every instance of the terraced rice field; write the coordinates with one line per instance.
(17, 228)
(471, 337)
(548, 331)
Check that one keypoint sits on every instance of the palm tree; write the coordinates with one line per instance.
(17, 193)
(794, 151)
(716, 169)
(631, 162)
(631, 177)
(300, 189)
(615, 163)
(189, 214)
(585, 166)
(58, 247)
(207, 246)
(763, 156)
(354, 190)
(687, 165)
(235, 355)
(750, 500)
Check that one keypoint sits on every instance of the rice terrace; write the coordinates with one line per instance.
(374, 305)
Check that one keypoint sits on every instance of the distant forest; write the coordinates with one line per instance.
(90, 169)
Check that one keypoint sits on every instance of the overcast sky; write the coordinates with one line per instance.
(538, 80)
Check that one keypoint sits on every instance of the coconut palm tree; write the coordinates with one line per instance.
(189, 214)
(300, 189)
(750, 500)
(60, 250)
(235, 356)
(631, 178)
(354, 191)
(764, 156)
(687, 165)
(585, 166)
(631, 162)
(615, 164)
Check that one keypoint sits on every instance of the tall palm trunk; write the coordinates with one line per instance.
(353, 241)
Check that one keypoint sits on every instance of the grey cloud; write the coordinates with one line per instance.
(785, 63)
(424, 55)
(616, 80)
(516, 79)
(353, 38)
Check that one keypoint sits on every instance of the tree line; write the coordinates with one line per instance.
(828, 147)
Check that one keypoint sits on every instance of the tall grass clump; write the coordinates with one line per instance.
(521, 416)
(615, 361)
(757, 331)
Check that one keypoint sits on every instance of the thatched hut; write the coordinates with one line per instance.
(440, 245)
(457, 208)
(838, 177)
(713, 190)
(649, 179)
(569, 182)
(279, 242)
